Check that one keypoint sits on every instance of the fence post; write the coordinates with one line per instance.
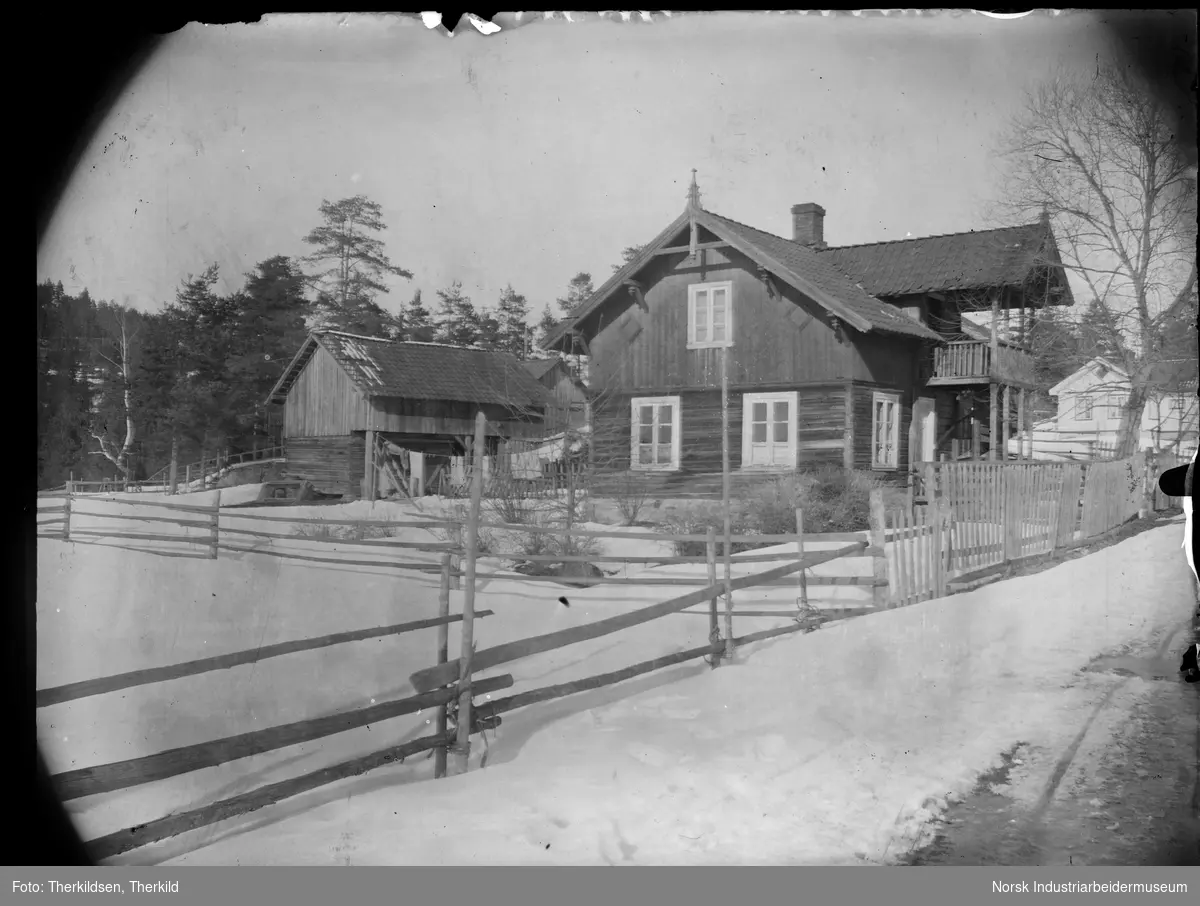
(216, 528)
(714, 623)
(878, 539)
(462, 749)
(1147, 506)
(803, 603)
(443, 654)
(67, 512)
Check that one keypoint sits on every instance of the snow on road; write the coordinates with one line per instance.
(834, 747)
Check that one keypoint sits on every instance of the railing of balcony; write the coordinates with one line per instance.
(973, 360)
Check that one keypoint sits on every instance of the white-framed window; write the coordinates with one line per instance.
(1177, 406)
(769, 430)
(710, 315)
(1083, 407)
(654, 444)
(885, 430)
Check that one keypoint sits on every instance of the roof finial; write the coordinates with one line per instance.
(694, 194)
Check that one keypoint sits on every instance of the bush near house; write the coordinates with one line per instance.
(833, 500)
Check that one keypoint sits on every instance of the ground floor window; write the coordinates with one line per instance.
(885, 431)
(655, 440)
(769, 430)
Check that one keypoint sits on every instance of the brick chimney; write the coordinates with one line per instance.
(808, 225)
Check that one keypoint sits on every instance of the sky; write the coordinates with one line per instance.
(528, 155)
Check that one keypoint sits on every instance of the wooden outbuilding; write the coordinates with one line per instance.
(363, 415)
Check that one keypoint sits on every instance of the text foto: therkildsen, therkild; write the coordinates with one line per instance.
(96, 887)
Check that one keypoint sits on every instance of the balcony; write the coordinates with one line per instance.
(972, 362)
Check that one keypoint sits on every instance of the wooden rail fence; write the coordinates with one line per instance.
(114, 776)
(979, 514)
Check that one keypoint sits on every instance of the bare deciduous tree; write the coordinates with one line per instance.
(1097, 153)
(116, 322)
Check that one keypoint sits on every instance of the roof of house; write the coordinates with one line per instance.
(1098, 367)
(950, 262)
(424, 371)
(806, 265)
(803, 268)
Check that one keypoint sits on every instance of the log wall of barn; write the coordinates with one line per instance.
(333, 464)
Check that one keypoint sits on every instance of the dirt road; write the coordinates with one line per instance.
(1123, 789)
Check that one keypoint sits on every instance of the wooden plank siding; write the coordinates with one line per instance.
(863, 394)
(819, 428)
(777, 342)
(333, 464)
(324, 401)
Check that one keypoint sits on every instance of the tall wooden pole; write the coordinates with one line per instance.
(463, 748)
(725, 500)
(443, 655)
(993, 438)
(173, 483)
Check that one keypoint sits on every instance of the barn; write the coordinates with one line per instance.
(569, 409)
(361, 415)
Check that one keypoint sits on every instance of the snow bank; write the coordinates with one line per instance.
(827, 748)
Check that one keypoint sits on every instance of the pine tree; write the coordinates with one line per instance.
(458, 322)
(418, 322)
(512, 313)
(546, 324)
(627, 255)
(579, 289)
(352, 266)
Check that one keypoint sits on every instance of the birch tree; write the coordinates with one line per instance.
(112, 416)
(1097, 154)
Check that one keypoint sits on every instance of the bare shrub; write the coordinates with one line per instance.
(631, 491)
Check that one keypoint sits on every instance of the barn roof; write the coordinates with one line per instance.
(423, 371)
(539, 368)
(946, 263)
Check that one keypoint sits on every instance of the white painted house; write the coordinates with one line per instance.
(1089, 411)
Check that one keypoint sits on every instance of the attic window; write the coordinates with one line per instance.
(710, 315)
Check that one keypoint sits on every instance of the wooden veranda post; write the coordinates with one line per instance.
(443, 654)
(1006, 429)
(173, 482)
(462, 750)
(729, 646)
(1021, 432)
(878, 536)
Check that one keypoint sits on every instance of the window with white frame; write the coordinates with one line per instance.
(1083, 407)
(885, 431)
(710, 315)
(1177, 405)
(655, 435)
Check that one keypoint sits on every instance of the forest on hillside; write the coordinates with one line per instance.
(120, 388)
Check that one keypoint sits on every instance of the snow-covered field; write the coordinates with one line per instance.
(833, 747)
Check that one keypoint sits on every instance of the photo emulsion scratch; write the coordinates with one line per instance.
(406, 386)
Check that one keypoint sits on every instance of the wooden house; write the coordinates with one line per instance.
(1090, 403)
(855, 356)
(569, 409)
(361, 414)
